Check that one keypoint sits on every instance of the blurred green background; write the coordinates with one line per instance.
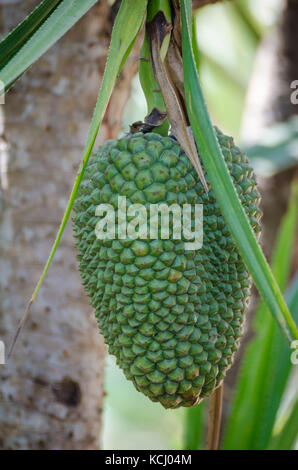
(228, 36)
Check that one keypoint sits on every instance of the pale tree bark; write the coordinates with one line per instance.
(52, 388)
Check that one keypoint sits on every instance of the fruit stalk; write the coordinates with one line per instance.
(215, 411)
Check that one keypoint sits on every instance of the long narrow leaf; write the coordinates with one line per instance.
(223, 187)
(266, 364)
(126, 28)
(289, 433)
(61, 19)
(195, 48)
(18, 36)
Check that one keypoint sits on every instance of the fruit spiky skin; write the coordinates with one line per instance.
(172, 318)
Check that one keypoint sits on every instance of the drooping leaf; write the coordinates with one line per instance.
(223, 187)
(42, 33)
(18, 36)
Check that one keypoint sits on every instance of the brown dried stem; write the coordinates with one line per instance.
(214, 423)
(158, 28)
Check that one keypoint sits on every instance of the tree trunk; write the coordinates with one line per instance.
(52, 387)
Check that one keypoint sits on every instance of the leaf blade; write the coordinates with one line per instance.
(286, 439)
(19, 35)
(223, 187)
(54, 26)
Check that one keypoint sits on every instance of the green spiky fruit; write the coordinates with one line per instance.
(172, 317)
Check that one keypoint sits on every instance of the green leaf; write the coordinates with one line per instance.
(127, 25)
(18, 36)
(287, 437)
(194, 426)
(266, 364)
(195, 47)
(56, 23)
(246, 19)
(223, 187)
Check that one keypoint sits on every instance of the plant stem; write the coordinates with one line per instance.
(214, 423)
